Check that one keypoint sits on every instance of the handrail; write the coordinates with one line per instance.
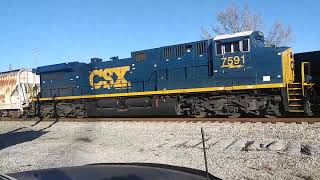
(303, 77)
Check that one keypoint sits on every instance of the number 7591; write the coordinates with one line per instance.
(233, 62)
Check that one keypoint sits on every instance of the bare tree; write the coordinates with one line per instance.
(233, 20)
(279, 35)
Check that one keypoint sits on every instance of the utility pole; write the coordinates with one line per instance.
(35, 56)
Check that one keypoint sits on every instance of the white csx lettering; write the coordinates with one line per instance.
(108, 78)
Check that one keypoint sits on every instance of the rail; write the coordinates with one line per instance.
(297, 120)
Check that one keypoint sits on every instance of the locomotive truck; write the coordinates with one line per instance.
(230, 75)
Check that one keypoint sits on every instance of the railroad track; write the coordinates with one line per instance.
(173, 119)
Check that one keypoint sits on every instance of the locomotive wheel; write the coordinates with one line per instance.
(47, 115)
(235, 115)
(80, 113)
(201, 115)
(270, 116)
(307, 109)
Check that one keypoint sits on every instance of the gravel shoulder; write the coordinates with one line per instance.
(235, 150)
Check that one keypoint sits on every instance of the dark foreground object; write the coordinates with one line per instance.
(114, 171)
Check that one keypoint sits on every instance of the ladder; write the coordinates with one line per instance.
(295, 92)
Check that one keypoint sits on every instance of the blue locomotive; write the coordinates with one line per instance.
(230, 75)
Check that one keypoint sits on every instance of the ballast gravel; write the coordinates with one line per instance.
(234, 150)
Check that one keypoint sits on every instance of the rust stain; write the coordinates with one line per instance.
(7, 86)
(2, 98)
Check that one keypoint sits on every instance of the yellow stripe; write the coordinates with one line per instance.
(174, 91)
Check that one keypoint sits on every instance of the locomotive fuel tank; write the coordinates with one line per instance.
(133, 107)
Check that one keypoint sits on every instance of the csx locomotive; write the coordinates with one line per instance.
(230, 75)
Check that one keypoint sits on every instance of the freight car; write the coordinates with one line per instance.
(17, 89)
(230, 75)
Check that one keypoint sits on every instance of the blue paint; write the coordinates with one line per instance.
(181, 66)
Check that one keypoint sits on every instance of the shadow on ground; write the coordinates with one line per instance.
(13, 138)
(17, 136)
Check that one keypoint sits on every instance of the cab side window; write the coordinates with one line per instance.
(232, 47)
(245, 45)
(227, 48)
(219, 48)
(236, 46)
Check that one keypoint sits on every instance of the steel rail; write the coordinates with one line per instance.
(174, 119)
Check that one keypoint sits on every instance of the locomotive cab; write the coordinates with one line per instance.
(240, 59)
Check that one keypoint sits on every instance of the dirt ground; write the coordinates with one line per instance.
(235, 150)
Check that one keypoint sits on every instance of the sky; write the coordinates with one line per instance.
(44, 32)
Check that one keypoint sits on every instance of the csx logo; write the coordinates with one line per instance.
(110, 77)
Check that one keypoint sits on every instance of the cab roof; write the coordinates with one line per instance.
(228, 36)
